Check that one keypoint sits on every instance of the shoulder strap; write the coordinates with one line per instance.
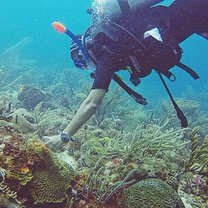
(188, 70)
(137, 97)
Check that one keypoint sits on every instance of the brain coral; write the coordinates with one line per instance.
(50, 184)
(150, 193)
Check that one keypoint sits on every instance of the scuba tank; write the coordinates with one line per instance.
(107, 33)
(114, 9)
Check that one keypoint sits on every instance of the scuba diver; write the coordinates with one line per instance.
(138, 36)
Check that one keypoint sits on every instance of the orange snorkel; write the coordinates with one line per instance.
(62, 29)
(59, 27)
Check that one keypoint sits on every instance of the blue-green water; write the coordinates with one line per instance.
(19, 19)
(33, 19)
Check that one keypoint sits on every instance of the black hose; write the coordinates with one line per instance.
(180, 114)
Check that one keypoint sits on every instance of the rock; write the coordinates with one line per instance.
(30, 97)
(25, 120)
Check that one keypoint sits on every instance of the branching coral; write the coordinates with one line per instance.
(11, 55)
(188, 106)
(8, 197)
(115, 157)
(121, 154)
(6, 106)
(197, 162)
(193, 111)
(112, 106)
(4, 188)
(91, 150)
(150, 140)
(3, 74)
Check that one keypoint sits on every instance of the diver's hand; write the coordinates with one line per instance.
(53, 142)
(65, 138)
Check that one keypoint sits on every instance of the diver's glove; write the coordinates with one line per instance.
(65, 138)
(77, 56)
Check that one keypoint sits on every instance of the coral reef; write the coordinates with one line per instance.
(15, 159)
(124, 155)
(193, 111)
(2, 75)
(30, 165)
(150, 193)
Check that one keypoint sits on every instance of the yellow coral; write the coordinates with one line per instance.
(24, 170)
(23, 178)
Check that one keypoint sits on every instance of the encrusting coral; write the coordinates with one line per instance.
(150, 193)
(15, 158)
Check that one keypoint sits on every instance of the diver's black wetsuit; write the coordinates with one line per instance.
(178, 22)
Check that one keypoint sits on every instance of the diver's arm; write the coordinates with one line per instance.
(86, 110)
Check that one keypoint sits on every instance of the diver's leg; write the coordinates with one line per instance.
(188, 17)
